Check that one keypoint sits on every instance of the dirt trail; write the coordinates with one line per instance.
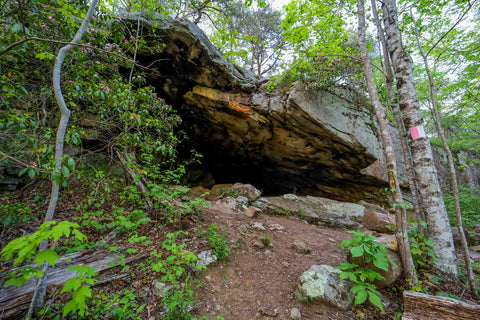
(261, 283)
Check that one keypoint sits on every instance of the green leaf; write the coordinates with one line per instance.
(31, 173)
(16, 28)
(375, 300)
(63, 228)
(361, 296)
(45, 55)
(70, 161)
(27, 274)
(171, 259)
(48, 255)
(357, 251)
(19, 281)
(86, 271)
(22, 172)
(71, 284)
(79, 235)
(380, 260)
(56, 177)
(13, 247)
(65, 171)
(416, 251)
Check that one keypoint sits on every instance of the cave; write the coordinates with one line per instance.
(281, 142)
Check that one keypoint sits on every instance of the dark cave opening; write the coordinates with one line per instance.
(231, 153)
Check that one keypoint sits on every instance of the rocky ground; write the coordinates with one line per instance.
(260, 282)
(271, 248)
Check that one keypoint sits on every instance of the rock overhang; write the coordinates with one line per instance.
(306, 141)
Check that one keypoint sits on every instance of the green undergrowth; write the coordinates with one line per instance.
(367, 259)
(121, 213)
(469, 206)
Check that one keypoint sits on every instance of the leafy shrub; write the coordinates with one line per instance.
(175, 268)
(469, 206)
(80, 286)
(116, 306)
(364, 245)
(25, 249)
(15, 213)
(165, 197)
(421, 248)
(462, 272)
(178, 302)
(218, 242)
(267, 241)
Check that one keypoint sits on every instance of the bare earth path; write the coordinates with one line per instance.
(261, 283)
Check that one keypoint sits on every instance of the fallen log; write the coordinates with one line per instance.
(420, 306)
(15, 300)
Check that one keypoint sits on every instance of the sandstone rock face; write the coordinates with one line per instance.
(315, 142)
(321, 284)
(468, 170)
(315, 210)
(311, 142)
(379, 222)
(187, 57)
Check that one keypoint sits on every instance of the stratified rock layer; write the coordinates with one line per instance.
(296, 140)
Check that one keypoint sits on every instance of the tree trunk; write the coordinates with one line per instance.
(14, 300)
(421, 306)
(398, 119)
(400, 212)
(38, 299)
(438, 227)
(451, 164)
(136, 177)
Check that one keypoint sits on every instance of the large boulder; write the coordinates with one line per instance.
(311, 141)
(315, 142)
(292, 139)
(315, 210)
(378, 221)
(320, 284)
(180, 55)
(239, 189)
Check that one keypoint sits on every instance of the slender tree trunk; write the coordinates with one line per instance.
(38, 299)
(398, 119)
(451, 163)
(400, 212)
(438, 227)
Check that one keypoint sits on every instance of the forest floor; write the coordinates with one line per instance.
(261, 283)
(255, 282)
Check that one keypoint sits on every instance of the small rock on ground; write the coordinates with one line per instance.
(295, 314)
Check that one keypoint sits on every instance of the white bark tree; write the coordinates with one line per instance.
(400, 212)
(451, 163)
(439, 230)
(392, 95)
(38, 298)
